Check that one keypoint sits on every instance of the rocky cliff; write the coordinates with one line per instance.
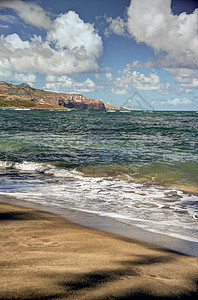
(24, 92)
(123, 108)
(111, 107)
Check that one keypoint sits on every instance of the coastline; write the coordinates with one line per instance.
(44, 256)
(112, 226)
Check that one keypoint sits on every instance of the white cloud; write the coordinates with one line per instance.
(117, 26)
(109, 76)
(143, 82)
(71, 46)
(130, 80)
(30, 12)
(188, 91)
(182, 91)
(137, 80)
(167, 89)
(6, 72)
(153, 23)
(8, 18)
(82, 41)
(4, 26)
(179, 101)
(5, 68)
(136, 64)
(21, 77)
(119, 91)
(98, 77)
(187, 78)
(68, 84)
(13, 42)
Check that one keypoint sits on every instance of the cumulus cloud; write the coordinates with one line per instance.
(179, 101)
(70, 32)
(174, 38)
(66, 83)
(13, 42)
(133, 79)
(145, 82)
(71, 46)
(30, 12)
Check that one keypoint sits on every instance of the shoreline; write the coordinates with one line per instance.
(44, 256)
(106, 224)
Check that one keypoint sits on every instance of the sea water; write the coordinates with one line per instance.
(140, 168)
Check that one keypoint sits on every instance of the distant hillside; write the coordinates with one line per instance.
(25, 96)
(111, 107)
(123, 108)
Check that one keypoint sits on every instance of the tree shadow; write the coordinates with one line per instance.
(20, 216)
(78, 285)
(148, 260)
(94, 280)
(147, 296)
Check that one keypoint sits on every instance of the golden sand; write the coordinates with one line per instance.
(43, 256)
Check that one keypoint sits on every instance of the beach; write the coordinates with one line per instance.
(44, 256)
(138, 168)
(98, 150)
(98, 206)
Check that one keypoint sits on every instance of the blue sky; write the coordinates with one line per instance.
(121, 51)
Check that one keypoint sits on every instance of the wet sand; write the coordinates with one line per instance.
(43, 256)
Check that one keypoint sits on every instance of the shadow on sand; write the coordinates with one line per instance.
(82, 285)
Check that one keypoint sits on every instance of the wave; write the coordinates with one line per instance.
(43, 168)
(182, 176)
(104, 190)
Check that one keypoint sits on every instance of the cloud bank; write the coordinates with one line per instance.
(173, 38)
(70, 46)
(187, 78)
(128, 80)
(66, 83)
(178, 101)
(30, 12)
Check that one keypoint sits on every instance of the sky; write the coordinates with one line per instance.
(142, 54)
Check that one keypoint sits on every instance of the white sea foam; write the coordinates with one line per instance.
(150, 207)
(43, 168)
(24, 166)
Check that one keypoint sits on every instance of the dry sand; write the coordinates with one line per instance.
(43, 256)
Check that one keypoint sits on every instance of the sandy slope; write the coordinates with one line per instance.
(42, 256)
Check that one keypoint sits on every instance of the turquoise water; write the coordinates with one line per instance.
(139, 167)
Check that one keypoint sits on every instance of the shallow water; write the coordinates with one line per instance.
(139, 167)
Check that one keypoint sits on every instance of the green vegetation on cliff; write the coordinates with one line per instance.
(17, 103)
(23, 95)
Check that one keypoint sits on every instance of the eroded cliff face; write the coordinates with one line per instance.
(123, 108)
(25, 92)
(111, 107)
(80, 102)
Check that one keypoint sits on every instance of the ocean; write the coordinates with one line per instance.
(139, 168)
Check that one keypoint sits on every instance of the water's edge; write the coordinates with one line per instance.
(109, 225)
